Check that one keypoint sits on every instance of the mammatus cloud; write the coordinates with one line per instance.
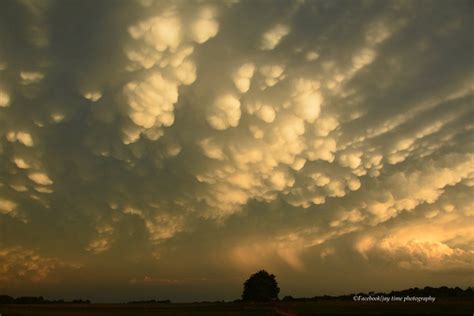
(7, 206)
(272, 37)
(285, 135)
(20, 265)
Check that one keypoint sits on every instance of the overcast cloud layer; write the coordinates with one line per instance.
(168, 149)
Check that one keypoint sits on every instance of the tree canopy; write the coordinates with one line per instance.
(261, 286)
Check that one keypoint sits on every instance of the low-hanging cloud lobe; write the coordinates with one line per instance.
(170, 148)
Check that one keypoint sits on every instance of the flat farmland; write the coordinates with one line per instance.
(329, 307)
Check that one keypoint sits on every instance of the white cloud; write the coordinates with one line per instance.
(98, 245)
(40, 178)
(7, 206)
(29, 77)
(4, 99)
(273, 36)
(243, 76)
(93, 95)
(23, 137)
(205, 26)
(224, 113)
(18, 264)
(425, 246)
(151, 101)
(21, 163)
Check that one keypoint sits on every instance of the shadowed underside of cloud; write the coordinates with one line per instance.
(204, 140)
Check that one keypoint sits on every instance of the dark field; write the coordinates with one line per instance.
(333, 307)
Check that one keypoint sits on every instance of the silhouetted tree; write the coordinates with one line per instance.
(261, 286)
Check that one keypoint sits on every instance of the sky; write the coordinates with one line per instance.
(169, 149)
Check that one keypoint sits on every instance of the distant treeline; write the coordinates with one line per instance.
(439, 292)
(5, 299)
(150, 302)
